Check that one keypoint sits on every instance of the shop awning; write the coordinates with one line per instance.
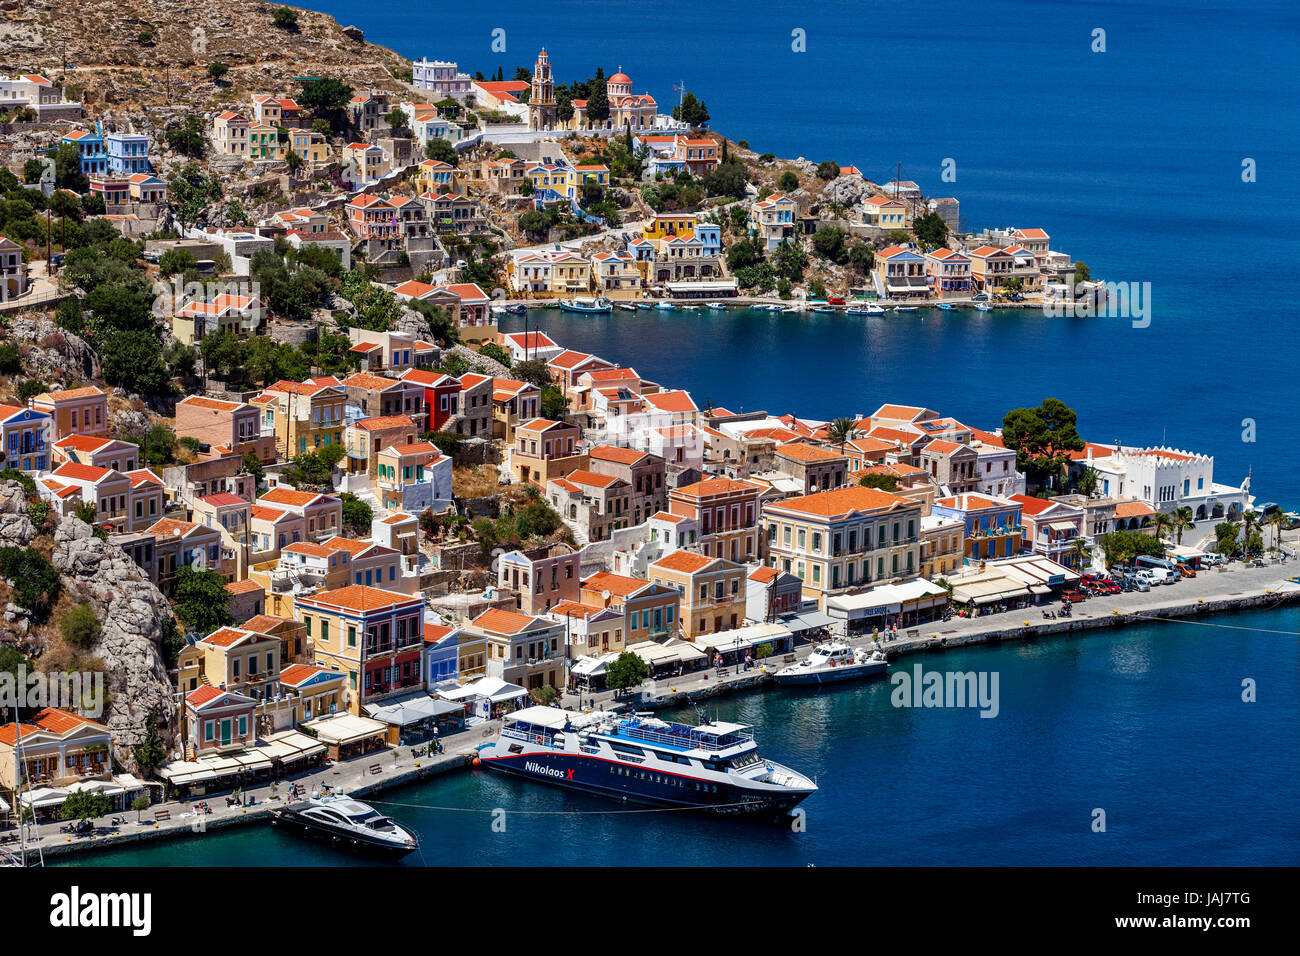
(805, 621)
(342, 729)
(43, 797)
(1039, 589)
(1063, 526)
(290, 745)
(592, 666)
(412, 709)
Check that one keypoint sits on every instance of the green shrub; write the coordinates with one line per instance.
(34, 580)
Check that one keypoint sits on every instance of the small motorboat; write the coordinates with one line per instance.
(499, 310)
(873, 309)
(590, 306)
(905, 308)
(690, 308)
(517, 309)
(716, 305)
(824, 309)
(858, 310)
(769, 307)
(983, 307)
(644, 306)
(666, 307)
(945, 307)
(626, 308)
(832, 663)
(793, 310)
(345, 823)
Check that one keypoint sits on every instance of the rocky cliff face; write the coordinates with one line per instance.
(134, 614)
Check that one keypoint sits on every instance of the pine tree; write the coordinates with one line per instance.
(598, 100)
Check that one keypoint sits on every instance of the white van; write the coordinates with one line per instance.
(1154, 576)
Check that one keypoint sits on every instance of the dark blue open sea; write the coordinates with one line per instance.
(1131, 159)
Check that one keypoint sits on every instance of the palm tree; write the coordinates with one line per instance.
(1279, 522)
(1162, 522)
(1250, 522)
(1182, 519)
(1082, 553)
(841, 430)
(1086, 483)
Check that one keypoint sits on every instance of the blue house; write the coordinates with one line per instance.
(993, 528)
(94, 161)
(710, 236)
(441, 654)
(24, 435)
(128, 153)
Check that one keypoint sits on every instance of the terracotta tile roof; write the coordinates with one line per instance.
(358, 598)
(244, 587)
(70, 395)
(687, 562)
(223, 499)
(500, 621)
(1133, 509)
(716, 486)
(623, 456)
(672, 401)
(366, 380)
(76, 472)
(619, 585)
(841, 501)
(288, 496)
(384, 421)
(802, 451)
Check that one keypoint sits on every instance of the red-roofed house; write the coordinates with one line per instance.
(713, 590)
(58, 748)
(374, 636)
(544, 449)
(593, 505)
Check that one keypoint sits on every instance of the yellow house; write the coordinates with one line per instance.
(570, 272)
(310, 145)
(664, 225)
(303, 416)
(847, 538)
(264, 142)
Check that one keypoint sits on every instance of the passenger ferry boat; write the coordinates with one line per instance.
(714, 767)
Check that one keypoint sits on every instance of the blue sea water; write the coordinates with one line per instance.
(1146, 724)
(1131, 159)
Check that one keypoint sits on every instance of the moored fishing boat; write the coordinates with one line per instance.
(517, 309)
(576, 304)
(716, 305)
(873, 309)
(945, 307)
(983, 307)
(666, 307)
(714, 767)
(626, 307)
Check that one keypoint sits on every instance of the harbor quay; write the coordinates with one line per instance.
(1234, 587)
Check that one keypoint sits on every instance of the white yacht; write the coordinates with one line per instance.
(831, 663)
(345, 823)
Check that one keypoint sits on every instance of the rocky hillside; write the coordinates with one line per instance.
(133, 613)
(128, 55)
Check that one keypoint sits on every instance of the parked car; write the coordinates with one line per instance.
(835, 300)
(1210, 559)
(1073, 597)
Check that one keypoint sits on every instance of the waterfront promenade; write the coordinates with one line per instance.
(1189, 603)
